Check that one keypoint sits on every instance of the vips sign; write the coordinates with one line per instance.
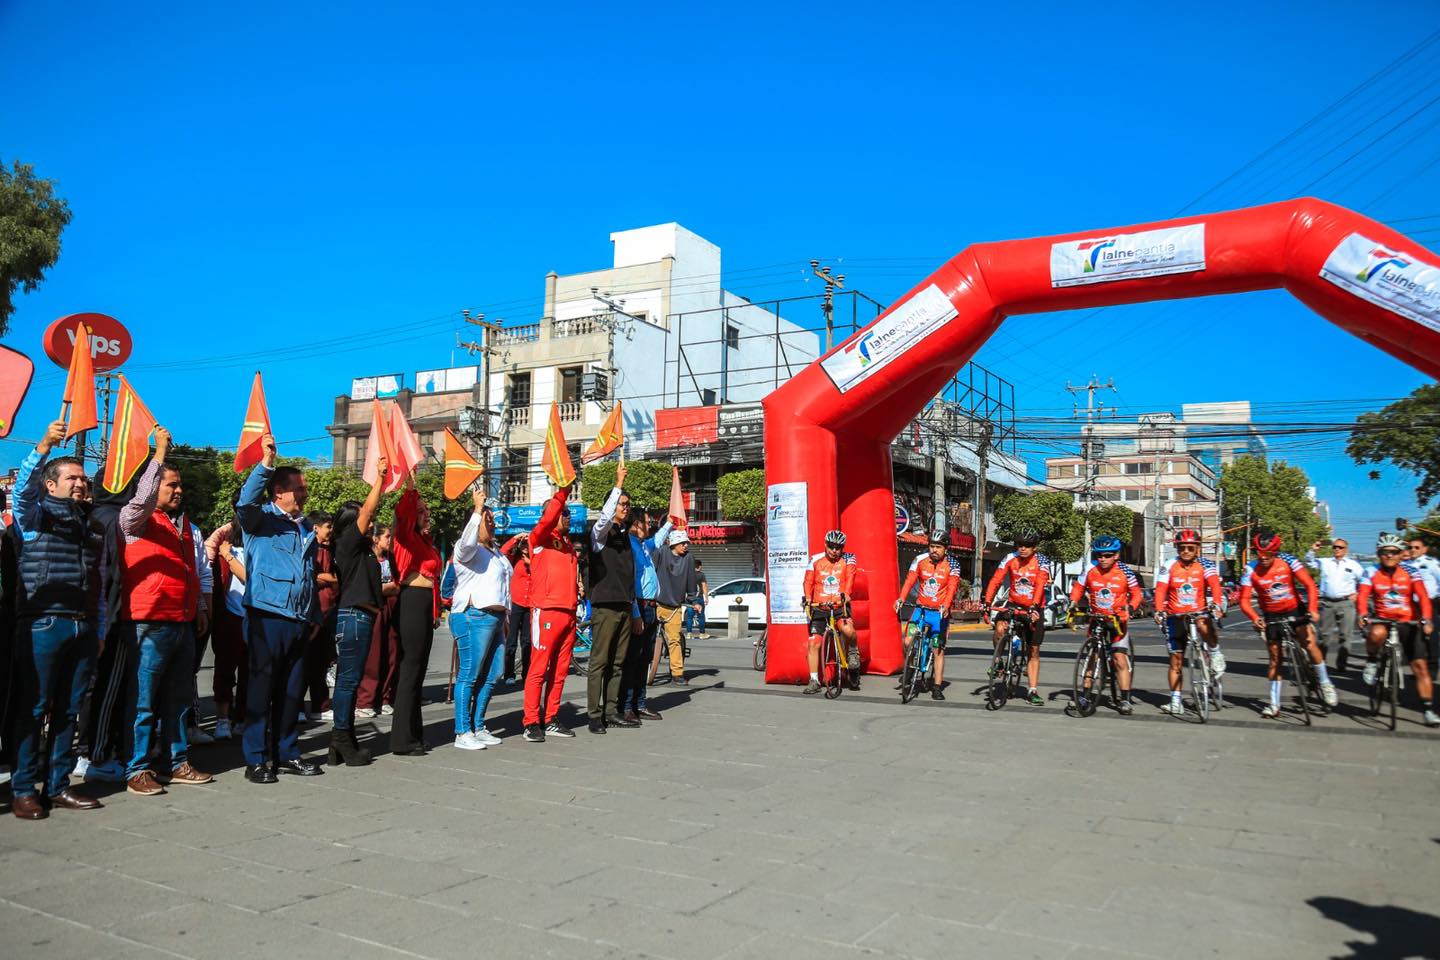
(110, 342)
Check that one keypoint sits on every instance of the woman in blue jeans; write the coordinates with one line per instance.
(478, 611)
(358, 605)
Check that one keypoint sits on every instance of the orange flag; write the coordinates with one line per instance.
(381, 444)
(556, 459)
(610, 437)
(257, 424)
(80, 386)
(677, 501)
(403, 441)
(461, 469)
(129, 438)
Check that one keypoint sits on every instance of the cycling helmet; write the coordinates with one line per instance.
(939, 538)
(1266, 541)
(835, 538)
(1187, 536)
(1105, 545)
(1027, 538)
(1388, 541)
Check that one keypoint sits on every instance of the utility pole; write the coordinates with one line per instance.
(827, 304)
(1088, 444)
(1159, 511)
(486, 349)
(977, 561)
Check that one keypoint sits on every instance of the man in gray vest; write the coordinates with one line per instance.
(612, 596)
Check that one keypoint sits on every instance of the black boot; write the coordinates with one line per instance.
(343, 746)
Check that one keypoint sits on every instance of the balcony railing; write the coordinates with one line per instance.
(515, 492)
(526, 333)
(572, 410)
(518, 416)
(580, 326)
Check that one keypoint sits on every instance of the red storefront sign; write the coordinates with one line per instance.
(962, 541)
(686, 426)
(720, 532)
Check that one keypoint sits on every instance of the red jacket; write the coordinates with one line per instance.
(519, 555)
(158, 576)
(554, 565)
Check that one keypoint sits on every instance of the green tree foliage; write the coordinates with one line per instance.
(596, 482)
(742, 494)
(647, 482)
(1432, 539)
(1051, 515)
(1111, 520)
(32, 218)
(1274, 495)
(1407, 434)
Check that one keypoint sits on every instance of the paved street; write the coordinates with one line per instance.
(756, 822)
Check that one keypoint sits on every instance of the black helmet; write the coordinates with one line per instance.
(1027, 538)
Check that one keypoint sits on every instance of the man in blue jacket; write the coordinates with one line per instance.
(281, 605)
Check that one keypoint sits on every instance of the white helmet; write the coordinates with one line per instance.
(1388, 541)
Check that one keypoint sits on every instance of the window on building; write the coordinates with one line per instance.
(570, 384)
(707, 397)
(732, 336)
(1144, 466)
(1134, 494)
(518, 389)
(1180, 493)
(362, 449)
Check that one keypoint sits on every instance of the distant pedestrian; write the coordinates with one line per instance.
(377, 684)
(231, 666)
(517, 631)
(695, 610)
(675, 570)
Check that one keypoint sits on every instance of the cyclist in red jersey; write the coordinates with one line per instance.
(828, 583)
(1111, 589)
(938, 579)
(1398, 591)
(1027, 573)
(1275, 580)
(1180, 589)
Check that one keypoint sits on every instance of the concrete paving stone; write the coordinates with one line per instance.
(761, 846)
(533, 864)
(1149, 935)
(531, 904)
(371, 916)
(674, 859)
(65, 834)
(154, 862)
(956, 904)
(1220, 943)
(769, 945)
(628, 827)
(21, 868)
(99, 899)
(659, 933)
(803, 880)
(646, 888)
(799, 915)
(210, 931)
(893, 864)
(384, 873)
(472, 937)
(427, 845)
(204, 832)
(32, 933)
(289, 853)
(930, 938)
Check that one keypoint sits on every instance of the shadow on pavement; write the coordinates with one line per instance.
(1399, 932)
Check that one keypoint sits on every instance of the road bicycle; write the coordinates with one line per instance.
(1297, 670)
(1389, 681)
(580, 651)
(833, 659)
(1094, 667)
(1009, 664)
(1205, 685)
(919, 668)
(757, 654)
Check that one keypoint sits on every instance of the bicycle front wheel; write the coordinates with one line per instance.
(758, 656)
(1199, 667)
(999, 690)
(830, 664)
(1085, 694)
(910, 673)
(1392, 686)
(1297, 678)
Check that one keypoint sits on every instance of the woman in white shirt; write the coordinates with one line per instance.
(478, 612)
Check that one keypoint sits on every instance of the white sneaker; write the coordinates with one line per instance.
(1270, 712)
(1217, 662)
(1327, 693)
(486, 737)
(197, 736)
(1432, 719)
(387, 710)
(82, 764)
(1371, 671)
(326, 716)
(370, 712)
(222, 729)
(467, 741)
(1175, 708)
(330, 678)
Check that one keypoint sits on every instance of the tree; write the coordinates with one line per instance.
(32, 218)
(742, 494)
(1407, 434)
(1051, 515)
(1430, 532)
(1111, 520)
(647, 482)
(1271, 496)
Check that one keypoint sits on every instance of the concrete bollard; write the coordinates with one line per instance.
(739, 622)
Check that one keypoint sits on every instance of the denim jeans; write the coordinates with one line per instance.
(480, 639)
(276, 646)
(694, 619)
(353, 627)
(160, 659)
(54, 658)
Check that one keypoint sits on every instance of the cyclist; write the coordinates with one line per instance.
(1027, 572)
(1275, 579)
(1398, 590)
(1111, 589)
(938, 579)
(827, 587)
(1180, 589)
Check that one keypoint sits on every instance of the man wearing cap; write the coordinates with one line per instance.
(1340, 576)
(675, 573)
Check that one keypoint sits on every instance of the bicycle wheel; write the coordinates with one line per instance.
(1089, 676)
(830, 664)
(1392, 685)
(1018, 665)
(1199, 668)
(909, 674)
(1297, 677)
(757, 657)
(999, 690)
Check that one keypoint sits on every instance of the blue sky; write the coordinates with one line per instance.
(325, 186)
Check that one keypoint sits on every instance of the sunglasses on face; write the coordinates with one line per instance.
(1189, 546)
(1106, 556)
(1389, 553)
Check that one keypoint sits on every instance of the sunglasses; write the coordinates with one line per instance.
(1106, 556)
(1188, 546)
(1340, 546)
(1388, 553)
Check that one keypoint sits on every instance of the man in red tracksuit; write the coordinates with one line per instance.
(554, 589)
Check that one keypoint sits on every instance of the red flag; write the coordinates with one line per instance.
(16, 369)
(257, 424)
(381, 445)
(129, 438)
(80, 386)
(610, 437)
(461, 469)
(556, 459)
(677, 501)
(402, 439)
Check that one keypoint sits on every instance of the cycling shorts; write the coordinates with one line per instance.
(935, 620)
(1177, 637)
(1033, 630)
(1414, 645)
(1297, 618)
(1120, 642)
(820, 619)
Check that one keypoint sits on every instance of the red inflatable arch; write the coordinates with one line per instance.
(828, 431)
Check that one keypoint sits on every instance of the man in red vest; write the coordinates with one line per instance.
(160, 602)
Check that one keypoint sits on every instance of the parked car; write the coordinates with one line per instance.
(749, 591)
(1057, 606)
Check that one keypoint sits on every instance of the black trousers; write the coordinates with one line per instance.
(609, 643)
(415, 630)
(637, 661)
(518, 636)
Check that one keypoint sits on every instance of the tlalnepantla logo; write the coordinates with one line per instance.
(890, 336)
(1128, 256)
(1388, 277)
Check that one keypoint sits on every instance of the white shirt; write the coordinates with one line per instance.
(1429, 568)
(1340, 579)
(482, 574)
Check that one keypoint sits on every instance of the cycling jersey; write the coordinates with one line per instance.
(938, 582)
(1277, 587)
(1399, 594)
(1027, 580)
(1180, 586)
(828, 581)
(1112, 591)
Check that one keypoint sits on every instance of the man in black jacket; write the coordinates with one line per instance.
(612, 594)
